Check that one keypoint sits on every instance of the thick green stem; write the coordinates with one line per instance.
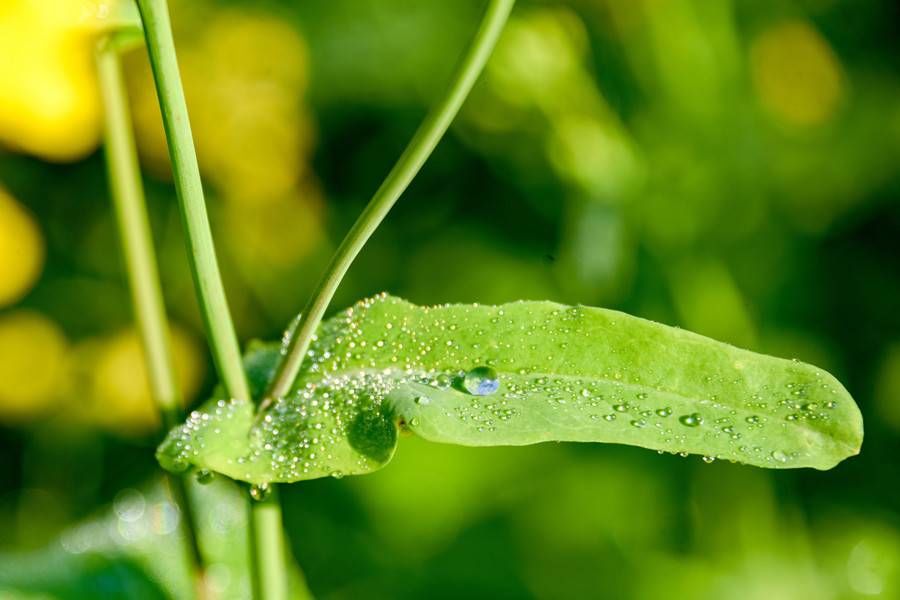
(140, 261)
(202, 253)
(417, 152)
(267, 548)
(269, 576)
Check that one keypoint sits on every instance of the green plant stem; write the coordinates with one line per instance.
(268, 552)
(140, 261)
(202, 253)
(269, 576)
(417, 152)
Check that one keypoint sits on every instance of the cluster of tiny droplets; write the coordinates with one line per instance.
(362, 355)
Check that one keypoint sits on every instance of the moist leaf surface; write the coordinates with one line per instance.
(547, 372)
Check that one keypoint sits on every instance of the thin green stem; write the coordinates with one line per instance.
(267, 549)
(201, 251)
(270, 572)
(140, 261)
(417, 152)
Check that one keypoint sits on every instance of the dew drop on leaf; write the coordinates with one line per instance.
(205, 476)
(481, 381)
(260, 491)
(664, 412)
(691, 420)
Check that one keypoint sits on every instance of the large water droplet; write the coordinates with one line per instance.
(481, 381)
(205, 476)
(691, 420)
(260, 491)
(779, 456)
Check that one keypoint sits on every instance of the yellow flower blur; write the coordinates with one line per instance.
(21, 250)
(253, 136)
(49, 104)
(115, 385)
(33, 363)
(796, 74)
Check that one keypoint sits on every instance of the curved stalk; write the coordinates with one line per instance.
(417, 152)
(140, 262)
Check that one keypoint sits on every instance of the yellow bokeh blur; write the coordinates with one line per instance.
(796, 74)
(21, 250)
(277, 232)
(49, 103)
(253, 136)
(114, 384)
(33, 363)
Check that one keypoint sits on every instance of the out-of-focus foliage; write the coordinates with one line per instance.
(730, 167)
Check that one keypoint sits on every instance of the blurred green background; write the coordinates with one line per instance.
(730, 167)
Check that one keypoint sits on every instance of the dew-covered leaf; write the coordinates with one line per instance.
(516, 374)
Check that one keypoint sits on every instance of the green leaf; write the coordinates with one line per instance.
(562, 373)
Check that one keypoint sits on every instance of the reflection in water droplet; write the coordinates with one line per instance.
(205, 476)
(664, 412)
(260, 491)
(779, 456)
(609, 417)
(752, 419)
(337, 474)
(481, 381)
(709, 459)
(691, 420)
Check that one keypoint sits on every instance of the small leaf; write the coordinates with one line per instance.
(520, 373)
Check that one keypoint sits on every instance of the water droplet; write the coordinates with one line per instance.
(709, 459)
(422, 400)
(620, 407)
(664, 412)
(809, 406)
(609, 417)
(414, 422)
(779, 456)
(260, 491)
(691, 420)
(481, 381)
(337, 474)
(639, 423)
(205, 476)
(752, 419)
